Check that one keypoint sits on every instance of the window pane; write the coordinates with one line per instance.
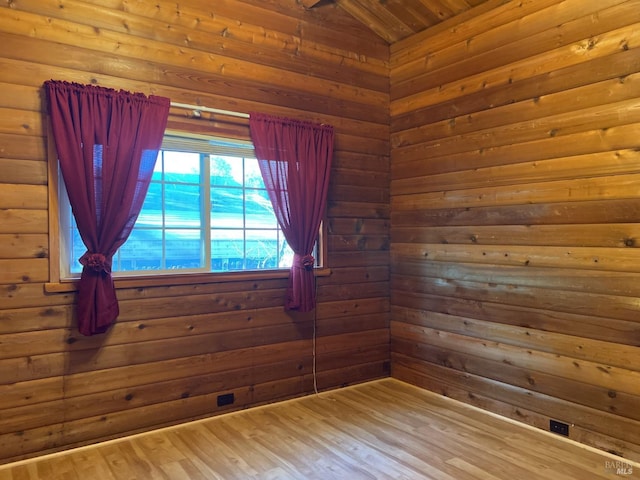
(142, 251)
(77, 249)
(182, 167)
(252, 175)
(227, 250)
(158, 168)
(225, 171)
(285, 254)
(151, 213)
(262, 249)
(182, 206)
(227, 207)
(183, 249)
(259, 212)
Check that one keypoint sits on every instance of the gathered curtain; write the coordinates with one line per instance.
(295, 163)
(107, 142)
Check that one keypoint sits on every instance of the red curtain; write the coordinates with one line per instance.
(295, 162)
(107, 143)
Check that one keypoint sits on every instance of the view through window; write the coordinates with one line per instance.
(207, 210)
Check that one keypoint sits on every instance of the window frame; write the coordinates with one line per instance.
(58, 284)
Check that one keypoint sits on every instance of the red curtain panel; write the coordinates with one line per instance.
(295, 162)
(107, 142)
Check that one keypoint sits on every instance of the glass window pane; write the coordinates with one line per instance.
(285, 254)
(227, 250)
(183, 249)
(262, 249)
(227, 208)
(142, 251)
(252, 175)
(259, 212)
(182, 206)
(225, 171)
(77, 249)
(151, 213)
(157, 169)
(182, 167)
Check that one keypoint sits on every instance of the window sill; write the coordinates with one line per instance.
(181, 279)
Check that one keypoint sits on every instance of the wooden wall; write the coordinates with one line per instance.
(515, 202)
(177, 347)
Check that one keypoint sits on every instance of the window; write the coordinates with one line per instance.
(207, 210)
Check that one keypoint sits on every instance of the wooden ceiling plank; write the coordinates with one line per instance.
(309, 3)
(395, 20)
(457, 6)
(378, 17)
(438, 8)
(412, 14)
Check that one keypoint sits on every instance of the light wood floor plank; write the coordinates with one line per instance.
(385, 429)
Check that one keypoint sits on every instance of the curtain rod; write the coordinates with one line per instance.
(199, 108)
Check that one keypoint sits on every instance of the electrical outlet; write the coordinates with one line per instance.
(559, 427)
(226, 399)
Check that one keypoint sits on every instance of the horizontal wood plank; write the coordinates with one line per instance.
(622, 235)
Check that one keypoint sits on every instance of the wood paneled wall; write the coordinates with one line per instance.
(175, 348)
(515, 210)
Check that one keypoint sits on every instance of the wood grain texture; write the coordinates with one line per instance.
(396, 20)
(178, 345)
(500, 240)
(514, 212)
(378, 430)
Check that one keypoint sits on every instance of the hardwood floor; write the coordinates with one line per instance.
(384, 429)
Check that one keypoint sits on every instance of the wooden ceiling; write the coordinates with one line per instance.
(394, 20)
